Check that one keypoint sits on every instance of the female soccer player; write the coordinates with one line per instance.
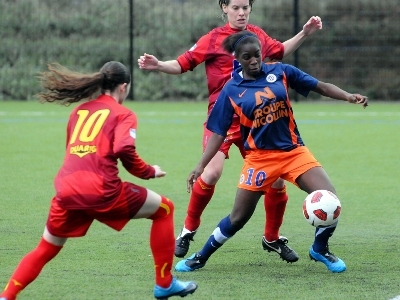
(219, 67)
(258, 94)
(99, 133)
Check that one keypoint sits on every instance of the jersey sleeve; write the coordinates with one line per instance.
(125, 148)
(69, 127)
(68, 136)
(195, 55)
(272, 48)
(298, 80)
(221, 116)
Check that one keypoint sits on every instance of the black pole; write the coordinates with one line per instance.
(131, 93)
(296, 30)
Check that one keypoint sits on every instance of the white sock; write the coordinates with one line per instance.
(184, 231)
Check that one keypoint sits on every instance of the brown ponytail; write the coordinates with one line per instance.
(65, 86)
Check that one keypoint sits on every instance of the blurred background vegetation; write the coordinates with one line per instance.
(358, 48)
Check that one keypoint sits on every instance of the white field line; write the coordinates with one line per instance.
(203, 113)
(55, 114)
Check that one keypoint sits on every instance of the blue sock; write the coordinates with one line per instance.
(223, 232)
(322, 236)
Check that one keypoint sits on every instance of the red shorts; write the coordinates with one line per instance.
(233, 137)
(75, 223)
(262, 167)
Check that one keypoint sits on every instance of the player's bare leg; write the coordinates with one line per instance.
(202, 192)
(32, 264)
(275, 205)
(312, 180)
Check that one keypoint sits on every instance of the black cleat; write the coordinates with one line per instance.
(182, 244)
(280, 246)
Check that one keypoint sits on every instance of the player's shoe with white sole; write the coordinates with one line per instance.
(177, 288)
(280, 246)
(194, 262)
(332, 262)
(182, 244)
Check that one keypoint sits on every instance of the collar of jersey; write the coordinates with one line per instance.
(238, 77)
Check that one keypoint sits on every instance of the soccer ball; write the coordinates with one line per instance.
(321, 208)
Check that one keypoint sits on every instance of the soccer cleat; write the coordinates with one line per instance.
(190, 264)
(280, 246)
(177, 288)
(182, 244)
(333, 263)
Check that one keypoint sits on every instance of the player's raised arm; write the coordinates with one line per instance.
(150, 62)
(312, 25)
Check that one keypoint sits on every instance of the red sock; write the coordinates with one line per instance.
(275, 205)
(162, 242)
(29, 268)
(200, 197)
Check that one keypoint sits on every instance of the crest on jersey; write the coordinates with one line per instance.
(271, 78)
(193, 47)
(132, 133)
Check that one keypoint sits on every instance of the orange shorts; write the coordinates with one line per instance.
(233, 137)
(75, 223)
(262, 167)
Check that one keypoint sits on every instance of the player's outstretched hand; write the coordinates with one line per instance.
(148, 62)
(159, 173)
(190, 181)
(358, 99)
(193, 177)
(312, 25)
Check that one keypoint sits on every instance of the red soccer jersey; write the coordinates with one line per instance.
(220, 64)
(99, 132)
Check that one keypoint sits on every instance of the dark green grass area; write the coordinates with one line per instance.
(358, 148)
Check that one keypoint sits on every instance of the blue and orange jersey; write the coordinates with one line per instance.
(219, 64)
(263, 106)
(99, 133)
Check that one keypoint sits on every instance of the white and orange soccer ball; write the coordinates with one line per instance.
(321, 208)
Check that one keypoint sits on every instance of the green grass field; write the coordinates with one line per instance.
(358, 148)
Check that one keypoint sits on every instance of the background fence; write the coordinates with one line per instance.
(358, 48)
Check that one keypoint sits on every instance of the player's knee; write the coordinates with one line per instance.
(211, 176)
(167, 205)
(238, 222)
(278, 184)
(165, 209)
